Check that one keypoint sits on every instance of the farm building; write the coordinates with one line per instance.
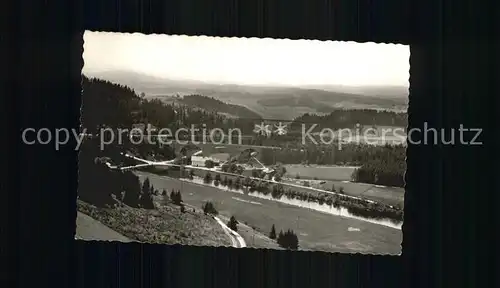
(200, 161)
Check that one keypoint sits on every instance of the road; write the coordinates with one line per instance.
(236, 240)
(88, 228)
(214, 170)
(316, 230)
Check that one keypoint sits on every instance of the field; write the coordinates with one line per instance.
(316, 230)
(339, 173)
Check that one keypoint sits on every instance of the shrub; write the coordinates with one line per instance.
(146, 200)
(209, 164)
(233, 224)
(288, 240)
(224, 181)
(209, 208)
(208, 178)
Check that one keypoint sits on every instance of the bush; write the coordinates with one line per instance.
(208, 178)
(247, 181)
(240, 170)
(209, 164)
(288, 240)
(237, 183)
(176, 197)
(224, 181)
(183, 209)
(209, 208)
(146, 199)
(233, 224)
(183, 173)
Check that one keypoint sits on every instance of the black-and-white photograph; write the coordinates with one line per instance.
(243, 142)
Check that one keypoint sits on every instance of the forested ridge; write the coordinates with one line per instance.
(214, 105)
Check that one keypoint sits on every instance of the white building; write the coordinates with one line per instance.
(200, 161)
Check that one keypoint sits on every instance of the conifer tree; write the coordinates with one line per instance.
(272, 234)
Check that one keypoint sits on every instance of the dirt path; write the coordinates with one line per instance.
(236, 239)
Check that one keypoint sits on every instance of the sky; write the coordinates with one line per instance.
(248, 61)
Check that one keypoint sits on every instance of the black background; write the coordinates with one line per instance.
(451, 191)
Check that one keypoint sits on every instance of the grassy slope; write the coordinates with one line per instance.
(316, 230)
(166, 225)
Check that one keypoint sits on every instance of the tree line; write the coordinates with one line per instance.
(382, 165)
(106, 104)
(358, 207)
(115, 105)
(214, 105)
(348, 118)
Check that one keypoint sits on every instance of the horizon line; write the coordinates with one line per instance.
(260, 85)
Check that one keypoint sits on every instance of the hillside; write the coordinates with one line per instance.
(164, 225)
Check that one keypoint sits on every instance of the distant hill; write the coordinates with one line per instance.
(211, 104)
(268, 102)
